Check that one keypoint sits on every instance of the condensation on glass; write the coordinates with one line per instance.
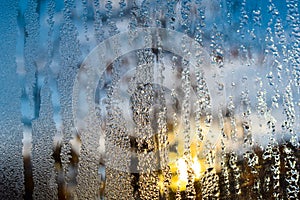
(149, 99)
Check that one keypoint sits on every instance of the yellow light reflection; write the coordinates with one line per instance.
(196, 166)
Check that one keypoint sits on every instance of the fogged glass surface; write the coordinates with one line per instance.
(149, 99)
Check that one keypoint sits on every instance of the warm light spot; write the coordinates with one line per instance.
(196, 166)
(173, 165)
(179, 163)
(161, 183)
(183, 174)
(179, 172)
(194, 149)
(182, 169)
(171, 137)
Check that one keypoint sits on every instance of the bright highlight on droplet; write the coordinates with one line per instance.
(196, 168)
(182, 169)
(179, 169)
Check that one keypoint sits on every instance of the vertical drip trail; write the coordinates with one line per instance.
(243, 20)
(87, 181)
(292, 115)
(112, 27)
(175, 121)
(186, 114)
(122, 4)
(117, 140)
(293, 18)
(210, 184)
(145, 14)
(142, 104)
(224, 173)
(186, 105)
(98, 24)
(271, 154)
(84, 18)
(11, 167)
(229, 11)
(218, 52)
(118, 178)
(199, 30)
(70, 54)
(185, 15)
(163, 146)
(50, 21)
(51, 83)
(235, 175)
(292, 174)
(89, 158)
(202, 102)
(251, 158)
(232, 117)
(224, 177)
(30, 91)
(171, 17)
(275, 81)
(31, 18)
(43, 128)
(243, 33)
(290, 161)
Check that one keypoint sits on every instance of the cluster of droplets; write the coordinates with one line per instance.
(186, 103)
(84, 17)
(117, 143)
(229, 5)
(294, 54)
(11, 168)
(271, 156)
(112, 28)
(170, 14)
(185, 14)
(202, 104)
(145, 14)
(200, 23)
(252, 162)
(243, 19)
(231, 109)
(224, 175)
(122, 4)
(117, 140)
(142, 104)
(31, 51)
(210, 184)
(98, 24)
(210, 180)
(292, 174)
(162, 121)
(246, 117)
(289, 111)
(217, 49)
(256, 17)
(70, 53)
(190, 188)
(43, 132)
(236, 175)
